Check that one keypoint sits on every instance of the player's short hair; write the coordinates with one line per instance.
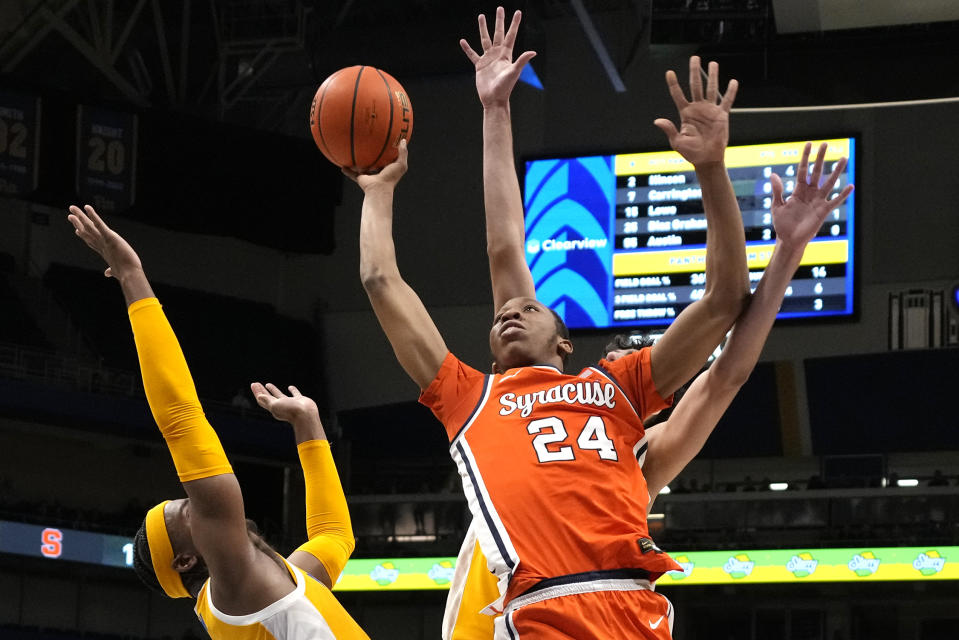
(142, 560)
(639, 341)
(627, 341)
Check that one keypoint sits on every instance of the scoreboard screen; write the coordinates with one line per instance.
(403, 574)
(619, 241)
(65, 544)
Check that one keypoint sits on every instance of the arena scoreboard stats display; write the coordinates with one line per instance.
(619, 241)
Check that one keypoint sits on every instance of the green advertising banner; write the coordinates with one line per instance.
(703, 567)
(401, 574)
(815, 565)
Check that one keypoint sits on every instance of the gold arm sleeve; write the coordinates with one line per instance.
(328, 524)
(196, 450)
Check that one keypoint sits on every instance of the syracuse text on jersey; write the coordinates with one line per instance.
(587, 393)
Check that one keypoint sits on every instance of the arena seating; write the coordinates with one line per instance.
(228, 342)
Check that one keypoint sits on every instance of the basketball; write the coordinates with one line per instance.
(358, 117)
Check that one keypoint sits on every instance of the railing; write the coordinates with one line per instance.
(434, 523)
(893, 516)
(920, 515)
(68, 371)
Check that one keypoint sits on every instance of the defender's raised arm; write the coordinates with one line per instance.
(701, 139)
(328, 527)
(675, 442)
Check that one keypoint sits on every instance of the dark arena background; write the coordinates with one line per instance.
(824, 507)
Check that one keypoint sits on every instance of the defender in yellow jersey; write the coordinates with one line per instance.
(202, 546)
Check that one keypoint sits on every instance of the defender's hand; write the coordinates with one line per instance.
(797, 219)
(704, 125)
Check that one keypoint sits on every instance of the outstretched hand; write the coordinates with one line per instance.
(496, 71)
(292, 408)
(704, 124)
(387, 177)
(115, 251)
(798, 218)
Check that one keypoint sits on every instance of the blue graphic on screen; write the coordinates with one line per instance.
(568, 248)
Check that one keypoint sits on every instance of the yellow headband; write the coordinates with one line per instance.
(161, 553)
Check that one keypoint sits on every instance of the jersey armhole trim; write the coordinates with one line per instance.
(475, 412)
(604, 372)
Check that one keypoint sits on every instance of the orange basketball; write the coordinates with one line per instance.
(358, 117)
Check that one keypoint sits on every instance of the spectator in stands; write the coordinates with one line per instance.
(420, 509)
(453, 513)
(388, 512)
(240, 401)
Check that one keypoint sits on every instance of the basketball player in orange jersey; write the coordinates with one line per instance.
(201, 547)
(548, 460)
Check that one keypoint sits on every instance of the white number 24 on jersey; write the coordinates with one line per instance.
(592, 438)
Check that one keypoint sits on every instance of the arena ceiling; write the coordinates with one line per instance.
(255, 62)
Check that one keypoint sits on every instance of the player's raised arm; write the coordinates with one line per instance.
(496, 75)
(416, 341)
(328, 527)
(702, 139)
(675, 442)
(217, 525)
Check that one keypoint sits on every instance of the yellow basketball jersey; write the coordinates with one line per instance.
(472, 590)
(308, 612)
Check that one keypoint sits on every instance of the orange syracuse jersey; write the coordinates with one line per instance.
(549, 467)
